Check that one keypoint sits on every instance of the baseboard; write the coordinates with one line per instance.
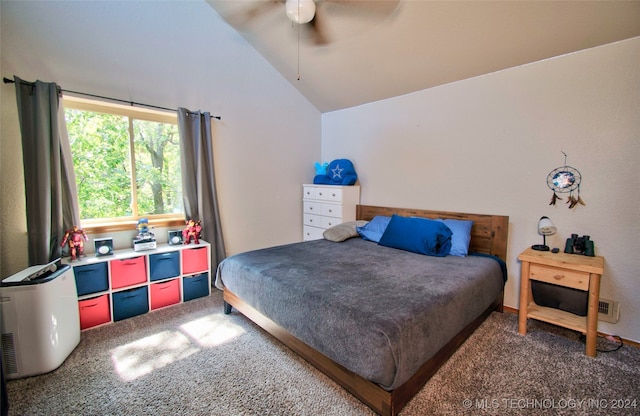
(636, 344)
(510, 309)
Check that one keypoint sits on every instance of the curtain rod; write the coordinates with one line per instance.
(132, 103)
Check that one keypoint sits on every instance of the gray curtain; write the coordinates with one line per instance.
(198, 179)
(49, 181)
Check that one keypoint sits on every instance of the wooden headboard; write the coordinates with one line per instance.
(489, 233)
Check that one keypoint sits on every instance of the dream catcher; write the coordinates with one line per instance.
(565, 179)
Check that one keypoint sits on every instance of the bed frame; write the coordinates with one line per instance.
(488, 235)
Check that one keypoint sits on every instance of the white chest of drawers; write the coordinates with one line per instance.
(325, 206)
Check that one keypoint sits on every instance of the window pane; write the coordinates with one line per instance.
(101, 159)
(158, 177)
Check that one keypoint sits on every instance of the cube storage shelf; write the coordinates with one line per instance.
(130, 283)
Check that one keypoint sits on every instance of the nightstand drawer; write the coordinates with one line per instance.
(560, 276)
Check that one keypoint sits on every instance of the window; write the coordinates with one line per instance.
(127, 163)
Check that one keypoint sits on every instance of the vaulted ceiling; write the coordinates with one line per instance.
(384, 48)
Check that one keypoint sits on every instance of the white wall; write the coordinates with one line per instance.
(168, 54)
(486, 145)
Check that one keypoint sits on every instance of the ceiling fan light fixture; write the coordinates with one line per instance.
(300, 11)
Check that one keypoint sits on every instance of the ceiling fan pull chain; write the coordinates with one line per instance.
(298, 29)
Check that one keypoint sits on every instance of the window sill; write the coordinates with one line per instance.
(129, 225)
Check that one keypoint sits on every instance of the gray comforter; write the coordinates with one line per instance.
(378, 311)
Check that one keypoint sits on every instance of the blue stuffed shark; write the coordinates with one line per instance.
(339, 172)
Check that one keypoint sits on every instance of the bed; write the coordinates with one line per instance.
(377, 320)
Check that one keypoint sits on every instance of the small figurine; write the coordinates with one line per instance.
(146, 239)
(76, 238)
(192, 230)
(143, 229)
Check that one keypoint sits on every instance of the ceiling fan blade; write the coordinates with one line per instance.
(333, 16)
(243, 17)
(318, 28)
(362, 8)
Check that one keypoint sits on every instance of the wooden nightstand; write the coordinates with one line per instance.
(569, 270)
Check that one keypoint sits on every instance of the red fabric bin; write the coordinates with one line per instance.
(165, 293)
(195, 260)
(128, 272)
(94, 311)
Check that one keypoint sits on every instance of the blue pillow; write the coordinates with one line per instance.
(461, 236)
(418, 235)
(374, 229)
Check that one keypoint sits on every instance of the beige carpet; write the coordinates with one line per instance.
(191, 359)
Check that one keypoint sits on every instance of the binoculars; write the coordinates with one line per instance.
(579, 245)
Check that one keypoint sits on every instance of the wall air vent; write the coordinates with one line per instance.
(608, 311)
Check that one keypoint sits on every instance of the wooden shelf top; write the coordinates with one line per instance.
(568, 261)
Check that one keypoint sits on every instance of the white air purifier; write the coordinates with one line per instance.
(40, 320)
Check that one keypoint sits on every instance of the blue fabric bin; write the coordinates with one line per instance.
(132, 302)
(195, 286)
(91, 278)
(164, 265)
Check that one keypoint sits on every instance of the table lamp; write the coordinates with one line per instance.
(545, 227)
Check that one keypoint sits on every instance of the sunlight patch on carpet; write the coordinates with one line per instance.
(145, 355)
(212, 330)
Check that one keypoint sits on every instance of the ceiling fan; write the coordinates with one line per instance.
(300, 11)
(313, 15)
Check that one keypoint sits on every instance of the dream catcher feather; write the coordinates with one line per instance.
(565, 179)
